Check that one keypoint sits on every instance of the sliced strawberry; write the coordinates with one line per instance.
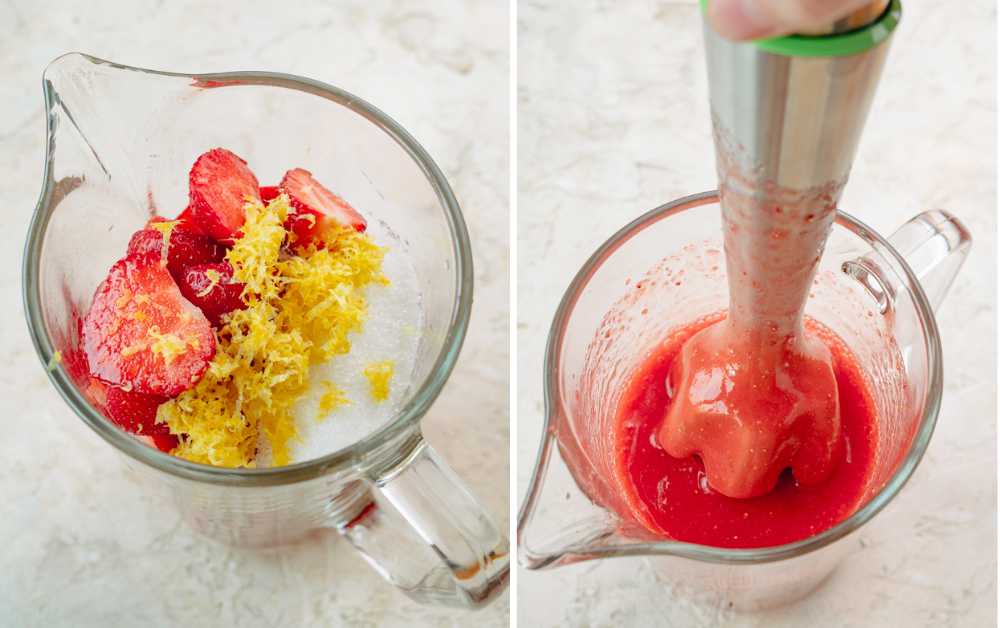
(220, 186)
(269, 192)
(183, 222)
(186, 221)
(133, 411)
(74, 360)
(211, 288)
(183, 247)
(316, 208)
(164, 441)
(136, 413)
(142, 334)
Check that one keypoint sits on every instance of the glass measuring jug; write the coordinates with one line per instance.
(666, 269)
(119, 141)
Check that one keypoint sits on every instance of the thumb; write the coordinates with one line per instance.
(754, 19)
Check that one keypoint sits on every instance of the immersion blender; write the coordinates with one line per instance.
(787, 114)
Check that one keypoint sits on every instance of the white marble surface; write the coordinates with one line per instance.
(613, 121)
(84, 546)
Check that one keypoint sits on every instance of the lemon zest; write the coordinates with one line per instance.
(166, 229)
(54, 361)
(379, 375)
(169, 346)
(213, 277)
(332, 399)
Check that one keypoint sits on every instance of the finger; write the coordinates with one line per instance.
(754, 19)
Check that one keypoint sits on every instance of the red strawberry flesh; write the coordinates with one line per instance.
(186, 222)
(211, 288)
(142, 334)
(220, 186)
(269, 192)
(183, 247)
(316, 208)
(133, 411)
(136, 413)
(164, 441)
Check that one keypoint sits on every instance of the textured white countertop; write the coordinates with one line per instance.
(83, 545)
(614, 121)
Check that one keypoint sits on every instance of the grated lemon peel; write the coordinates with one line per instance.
(166, 229)
(213, 278)
(379, 375)
(300, 311)
(54, 361)
(332, 399)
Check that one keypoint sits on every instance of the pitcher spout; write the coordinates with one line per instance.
(94, 109)
(558, 524)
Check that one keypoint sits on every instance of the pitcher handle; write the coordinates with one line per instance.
(434, 541)
(934, 244)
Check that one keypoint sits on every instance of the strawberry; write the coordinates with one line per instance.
(74, 360)
(142, 334)
(183, 247)
(133, 411)
(269, 192)
(136, 413)
(186, 222)
(220, 186)
(211, 288)
(316, 208)
(160, 440)
(164, 440)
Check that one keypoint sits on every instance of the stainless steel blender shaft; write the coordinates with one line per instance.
(788, 117)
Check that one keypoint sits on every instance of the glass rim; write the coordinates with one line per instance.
(704, 553)
(417, 403)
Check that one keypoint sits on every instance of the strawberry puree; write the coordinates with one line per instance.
(674, 495)
(756, 394)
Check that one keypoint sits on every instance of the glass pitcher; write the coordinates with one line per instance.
(666, 269)
(120, 140)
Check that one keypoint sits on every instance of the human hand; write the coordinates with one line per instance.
(755, 19)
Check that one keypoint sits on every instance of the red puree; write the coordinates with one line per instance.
(672, 496)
